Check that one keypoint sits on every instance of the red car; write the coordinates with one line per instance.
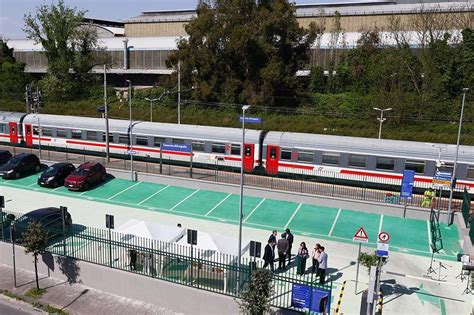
(85, 176)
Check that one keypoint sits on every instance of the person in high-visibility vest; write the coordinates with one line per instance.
(433, 197)
(427, 198)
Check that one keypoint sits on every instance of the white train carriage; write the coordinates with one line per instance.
(209, 144)
(10, 127)
(373, 160)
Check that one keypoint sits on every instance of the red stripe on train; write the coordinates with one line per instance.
(302, 167)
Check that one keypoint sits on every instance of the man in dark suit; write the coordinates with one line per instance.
(282, 248)
(289, 237)
(269, 255)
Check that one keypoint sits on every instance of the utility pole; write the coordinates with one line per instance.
(381, 119)
(179, 91)
(106, 116)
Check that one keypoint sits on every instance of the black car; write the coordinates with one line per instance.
(4, 156)
(55, 175)
(49, 218)
(19, 165)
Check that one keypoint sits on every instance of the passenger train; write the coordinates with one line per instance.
(273, 152)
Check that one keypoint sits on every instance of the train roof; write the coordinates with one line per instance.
(6, 117)
(370, 146)
(182, 131)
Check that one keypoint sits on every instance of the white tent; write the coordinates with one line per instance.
(150, 230)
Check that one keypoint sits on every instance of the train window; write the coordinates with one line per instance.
(248, 150)
(123, 138)
(61, 133)
(385, 164)
(3, 128)
(357, 160)
(111, 137)
(178, 141)
(306, 156)
(199, 146)
(218, 147)
(447, 167)
(76, 134)
(158, 141)
(285, 154)
(415, 165)
(141, 140)
(91, 135)
(35, 130)
(470, 171)
(235, 149)
(331, 158)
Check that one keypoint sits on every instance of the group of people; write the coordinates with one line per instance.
(284, 246)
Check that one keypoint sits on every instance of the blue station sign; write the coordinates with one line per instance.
(251, 120)
(407, 184)
(177, 147)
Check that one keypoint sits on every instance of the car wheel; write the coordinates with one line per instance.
(86, 186)
(55, 184)
(103, 177)
(17, 175)
(37, 168)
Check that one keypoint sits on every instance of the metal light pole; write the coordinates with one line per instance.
(381, 119)
(130, 149)
(39, 135)
(457, 152)
(179, 92)
(106, 116)
(151, 100)
(241, 208)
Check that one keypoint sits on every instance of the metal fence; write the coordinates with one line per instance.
(182, 264)
(322, 183)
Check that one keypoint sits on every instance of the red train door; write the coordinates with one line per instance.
(249, 157)
(28, 135)
(273, 154)
(12, 126)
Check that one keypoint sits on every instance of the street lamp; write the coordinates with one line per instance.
(151, 100)
(39, 135)
(381, 119)
(241, 209)
(130, 149)
(457, 152)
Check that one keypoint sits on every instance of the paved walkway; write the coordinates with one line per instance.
(75, 298)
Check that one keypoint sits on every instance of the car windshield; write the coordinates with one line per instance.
(14, 161)
(51, 169)
(80, 172)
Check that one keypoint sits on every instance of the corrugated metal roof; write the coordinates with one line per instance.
(370, 146)
(183, 131)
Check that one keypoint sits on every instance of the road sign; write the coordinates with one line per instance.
(407, 183)
(177, 147)
(361, 236)
(384, 237)
(443, 179)
(382, 250)
(131, 152)
(251, 120)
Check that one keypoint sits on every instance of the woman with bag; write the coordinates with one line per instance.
(302, 256)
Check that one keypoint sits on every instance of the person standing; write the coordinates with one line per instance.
(289, 237)
(133, 259)
(315, 257)
(269, 255)
(301, 258)
(282, 248)
(323, 263)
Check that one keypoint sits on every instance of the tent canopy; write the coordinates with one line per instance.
(217, 243)
(151, 230)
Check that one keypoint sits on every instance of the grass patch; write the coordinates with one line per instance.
(42, 306)
(35, 292)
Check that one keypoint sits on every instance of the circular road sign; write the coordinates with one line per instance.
(384, 237)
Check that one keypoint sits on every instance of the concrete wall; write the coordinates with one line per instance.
(172, 296)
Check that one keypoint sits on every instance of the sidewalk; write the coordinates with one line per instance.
(75, 298)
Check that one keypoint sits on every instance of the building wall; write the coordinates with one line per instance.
(155, 29)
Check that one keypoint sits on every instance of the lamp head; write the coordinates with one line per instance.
(245, 107)
(465, 90)
(376, 108)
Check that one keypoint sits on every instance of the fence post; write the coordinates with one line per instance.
(191, 166)
(161, 161)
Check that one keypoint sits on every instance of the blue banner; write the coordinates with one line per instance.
(315, 301)
(251, 120)
(442, 175)
(177, 147)
(407, 184)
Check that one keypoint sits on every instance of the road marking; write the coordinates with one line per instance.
(152, 195)
(429, 236)
(194, 192)
(32, 184)
(380, 224)
(253, 210)
(293, 215)
(418, 278)
(124, 190)
(334, 223)
(213, 208)
(58, 188)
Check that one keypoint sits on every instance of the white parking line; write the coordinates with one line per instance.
(123, 190)
(293, 215)
(213, 208)
(184, 200)
(334, 223)
(253, 210)
(380, 224)
(429, 236)
(32, 184)
(153, 195)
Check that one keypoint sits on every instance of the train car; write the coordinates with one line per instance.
(11, 131)
(355, 158)
(209, 144)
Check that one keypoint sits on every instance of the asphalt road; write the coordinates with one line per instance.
(13, 307)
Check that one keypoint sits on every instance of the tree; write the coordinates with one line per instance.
(12, 76)
(243, 51)
(256, 296)
(35, 240)
(68, 45)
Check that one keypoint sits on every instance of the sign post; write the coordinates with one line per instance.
(109, 223)
(361, 237)
(407, 187)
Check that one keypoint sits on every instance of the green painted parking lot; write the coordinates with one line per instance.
(407, 235)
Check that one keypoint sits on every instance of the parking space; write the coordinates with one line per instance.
(407, 235)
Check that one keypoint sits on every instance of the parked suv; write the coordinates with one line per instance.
(85, 176)
(50, 218)
(20, 165)
(55, 175)
(4, 156)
